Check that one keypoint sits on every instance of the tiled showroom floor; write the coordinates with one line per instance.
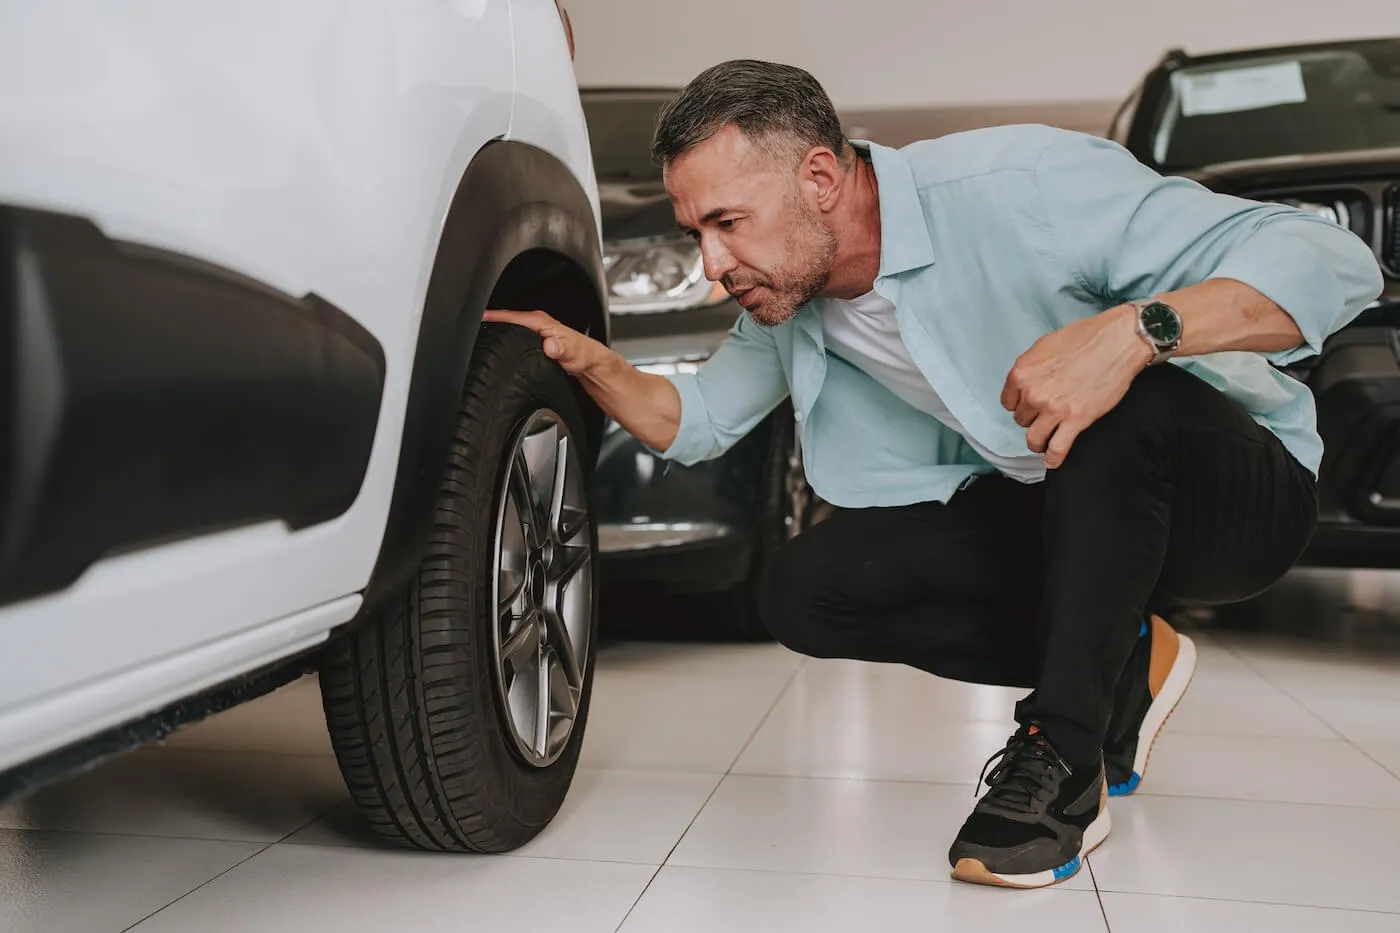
(741, 788)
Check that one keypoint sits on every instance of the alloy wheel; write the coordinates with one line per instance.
(543, 587)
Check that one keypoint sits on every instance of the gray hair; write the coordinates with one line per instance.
(780, 107)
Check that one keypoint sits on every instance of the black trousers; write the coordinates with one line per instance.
(1174, 498)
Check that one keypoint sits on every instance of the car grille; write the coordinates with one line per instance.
(1391, 243)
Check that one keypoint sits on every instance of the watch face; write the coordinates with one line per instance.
(1161, 323)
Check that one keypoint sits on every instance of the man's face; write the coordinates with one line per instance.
(758, 229)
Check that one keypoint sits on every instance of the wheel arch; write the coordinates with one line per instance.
(520, 232)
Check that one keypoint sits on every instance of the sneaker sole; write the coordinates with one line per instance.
(973, 871)
(1173, 689)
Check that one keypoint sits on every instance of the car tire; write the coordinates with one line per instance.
(428, 701)
(785, 508)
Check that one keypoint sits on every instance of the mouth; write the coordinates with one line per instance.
(746, 296)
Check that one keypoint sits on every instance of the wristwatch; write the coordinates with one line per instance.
(1160, 325)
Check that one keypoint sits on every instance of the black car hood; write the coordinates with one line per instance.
(1307, 169)
(635, 209)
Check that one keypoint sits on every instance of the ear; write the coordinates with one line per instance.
(822, 170)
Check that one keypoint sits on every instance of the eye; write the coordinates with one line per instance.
(728, 224)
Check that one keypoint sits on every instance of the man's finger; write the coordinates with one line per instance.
(537, 321)
(1026, 414)
(1060, 443)
(1010, 394)
(1038, 435)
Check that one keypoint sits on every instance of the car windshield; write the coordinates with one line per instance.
(619, 129)
(1307, 102)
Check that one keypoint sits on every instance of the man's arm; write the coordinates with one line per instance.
(688, 417)
(1243, 275)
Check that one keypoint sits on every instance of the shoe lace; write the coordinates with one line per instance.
(1024, 772)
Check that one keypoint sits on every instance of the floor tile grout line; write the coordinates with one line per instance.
(371, 847)
(861, 876)
(239, 863)
(166, 837)
(711, 795)
(792, 678)
(1142, 794)
(199, 887)
(1098, 895)
(1247, 900)
(641, 894)
(1385, 767)
(1243, 658)
(669, 852)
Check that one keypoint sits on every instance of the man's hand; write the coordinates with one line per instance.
(577, 353)
(1071, 378)
(646, 405)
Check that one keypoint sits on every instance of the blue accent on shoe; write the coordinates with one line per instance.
(1126, 788)
(1143, 632)
(1067, 869)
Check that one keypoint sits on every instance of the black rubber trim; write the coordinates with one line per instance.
(1343, 543)
(69, 761)
(149, 397)
(514, 199)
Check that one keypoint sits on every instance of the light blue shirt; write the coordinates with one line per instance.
(989, 240)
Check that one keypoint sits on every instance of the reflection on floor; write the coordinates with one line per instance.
(743, 788)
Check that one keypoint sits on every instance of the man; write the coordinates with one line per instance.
(974, 333)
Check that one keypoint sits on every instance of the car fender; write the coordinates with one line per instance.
(520, 231)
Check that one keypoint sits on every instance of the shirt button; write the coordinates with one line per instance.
(797, 416)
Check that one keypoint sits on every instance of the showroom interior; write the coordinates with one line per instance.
(326, 604)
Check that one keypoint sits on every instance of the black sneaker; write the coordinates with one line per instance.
(1159, 671)
(1038, 821)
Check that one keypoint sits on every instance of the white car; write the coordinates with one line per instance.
(251, 423)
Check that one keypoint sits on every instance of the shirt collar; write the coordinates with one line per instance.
(904, 238)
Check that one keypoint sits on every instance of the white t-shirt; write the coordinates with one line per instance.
(865, 333)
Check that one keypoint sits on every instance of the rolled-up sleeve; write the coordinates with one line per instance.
(1129, 232)
(729, 395)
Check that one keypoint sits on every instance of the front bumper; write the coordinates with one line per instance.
(1356, 384)
(662, 521)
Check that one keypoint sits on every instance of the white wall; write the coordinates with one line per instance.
(876, 53)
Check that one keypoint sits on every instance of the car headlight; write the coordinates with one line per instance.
(647, 276)
(1335, 211)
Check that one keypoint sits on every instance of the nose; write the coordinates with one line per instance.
(719, 262)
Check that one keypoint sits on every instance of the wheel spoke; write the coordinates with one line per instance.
(541, 741)
(523, 644)
(539, 451)
(522, 492)
(563, 695)
(556, 501)
(511, 581)
(563, 643)
(564, 703)
(569, 562)
(512, 586)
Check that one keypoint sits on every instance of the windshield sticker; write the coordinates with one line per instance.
(1237, 89)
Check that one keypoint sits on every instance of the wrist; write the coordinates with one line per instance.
(603, 365)
(1139, 348)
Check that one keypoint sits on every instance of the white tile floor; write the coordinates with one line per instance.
(743, 788)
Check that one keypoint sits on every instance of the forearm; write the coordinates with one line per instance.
(646, 405)
(1223, 314)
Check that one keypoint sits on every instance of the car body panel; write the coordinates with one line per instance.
(314, 149)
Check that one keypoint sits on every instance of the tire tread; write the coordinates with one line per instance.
(399, 691)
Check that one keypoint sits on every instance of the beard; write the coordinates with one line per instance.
(812, 247)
